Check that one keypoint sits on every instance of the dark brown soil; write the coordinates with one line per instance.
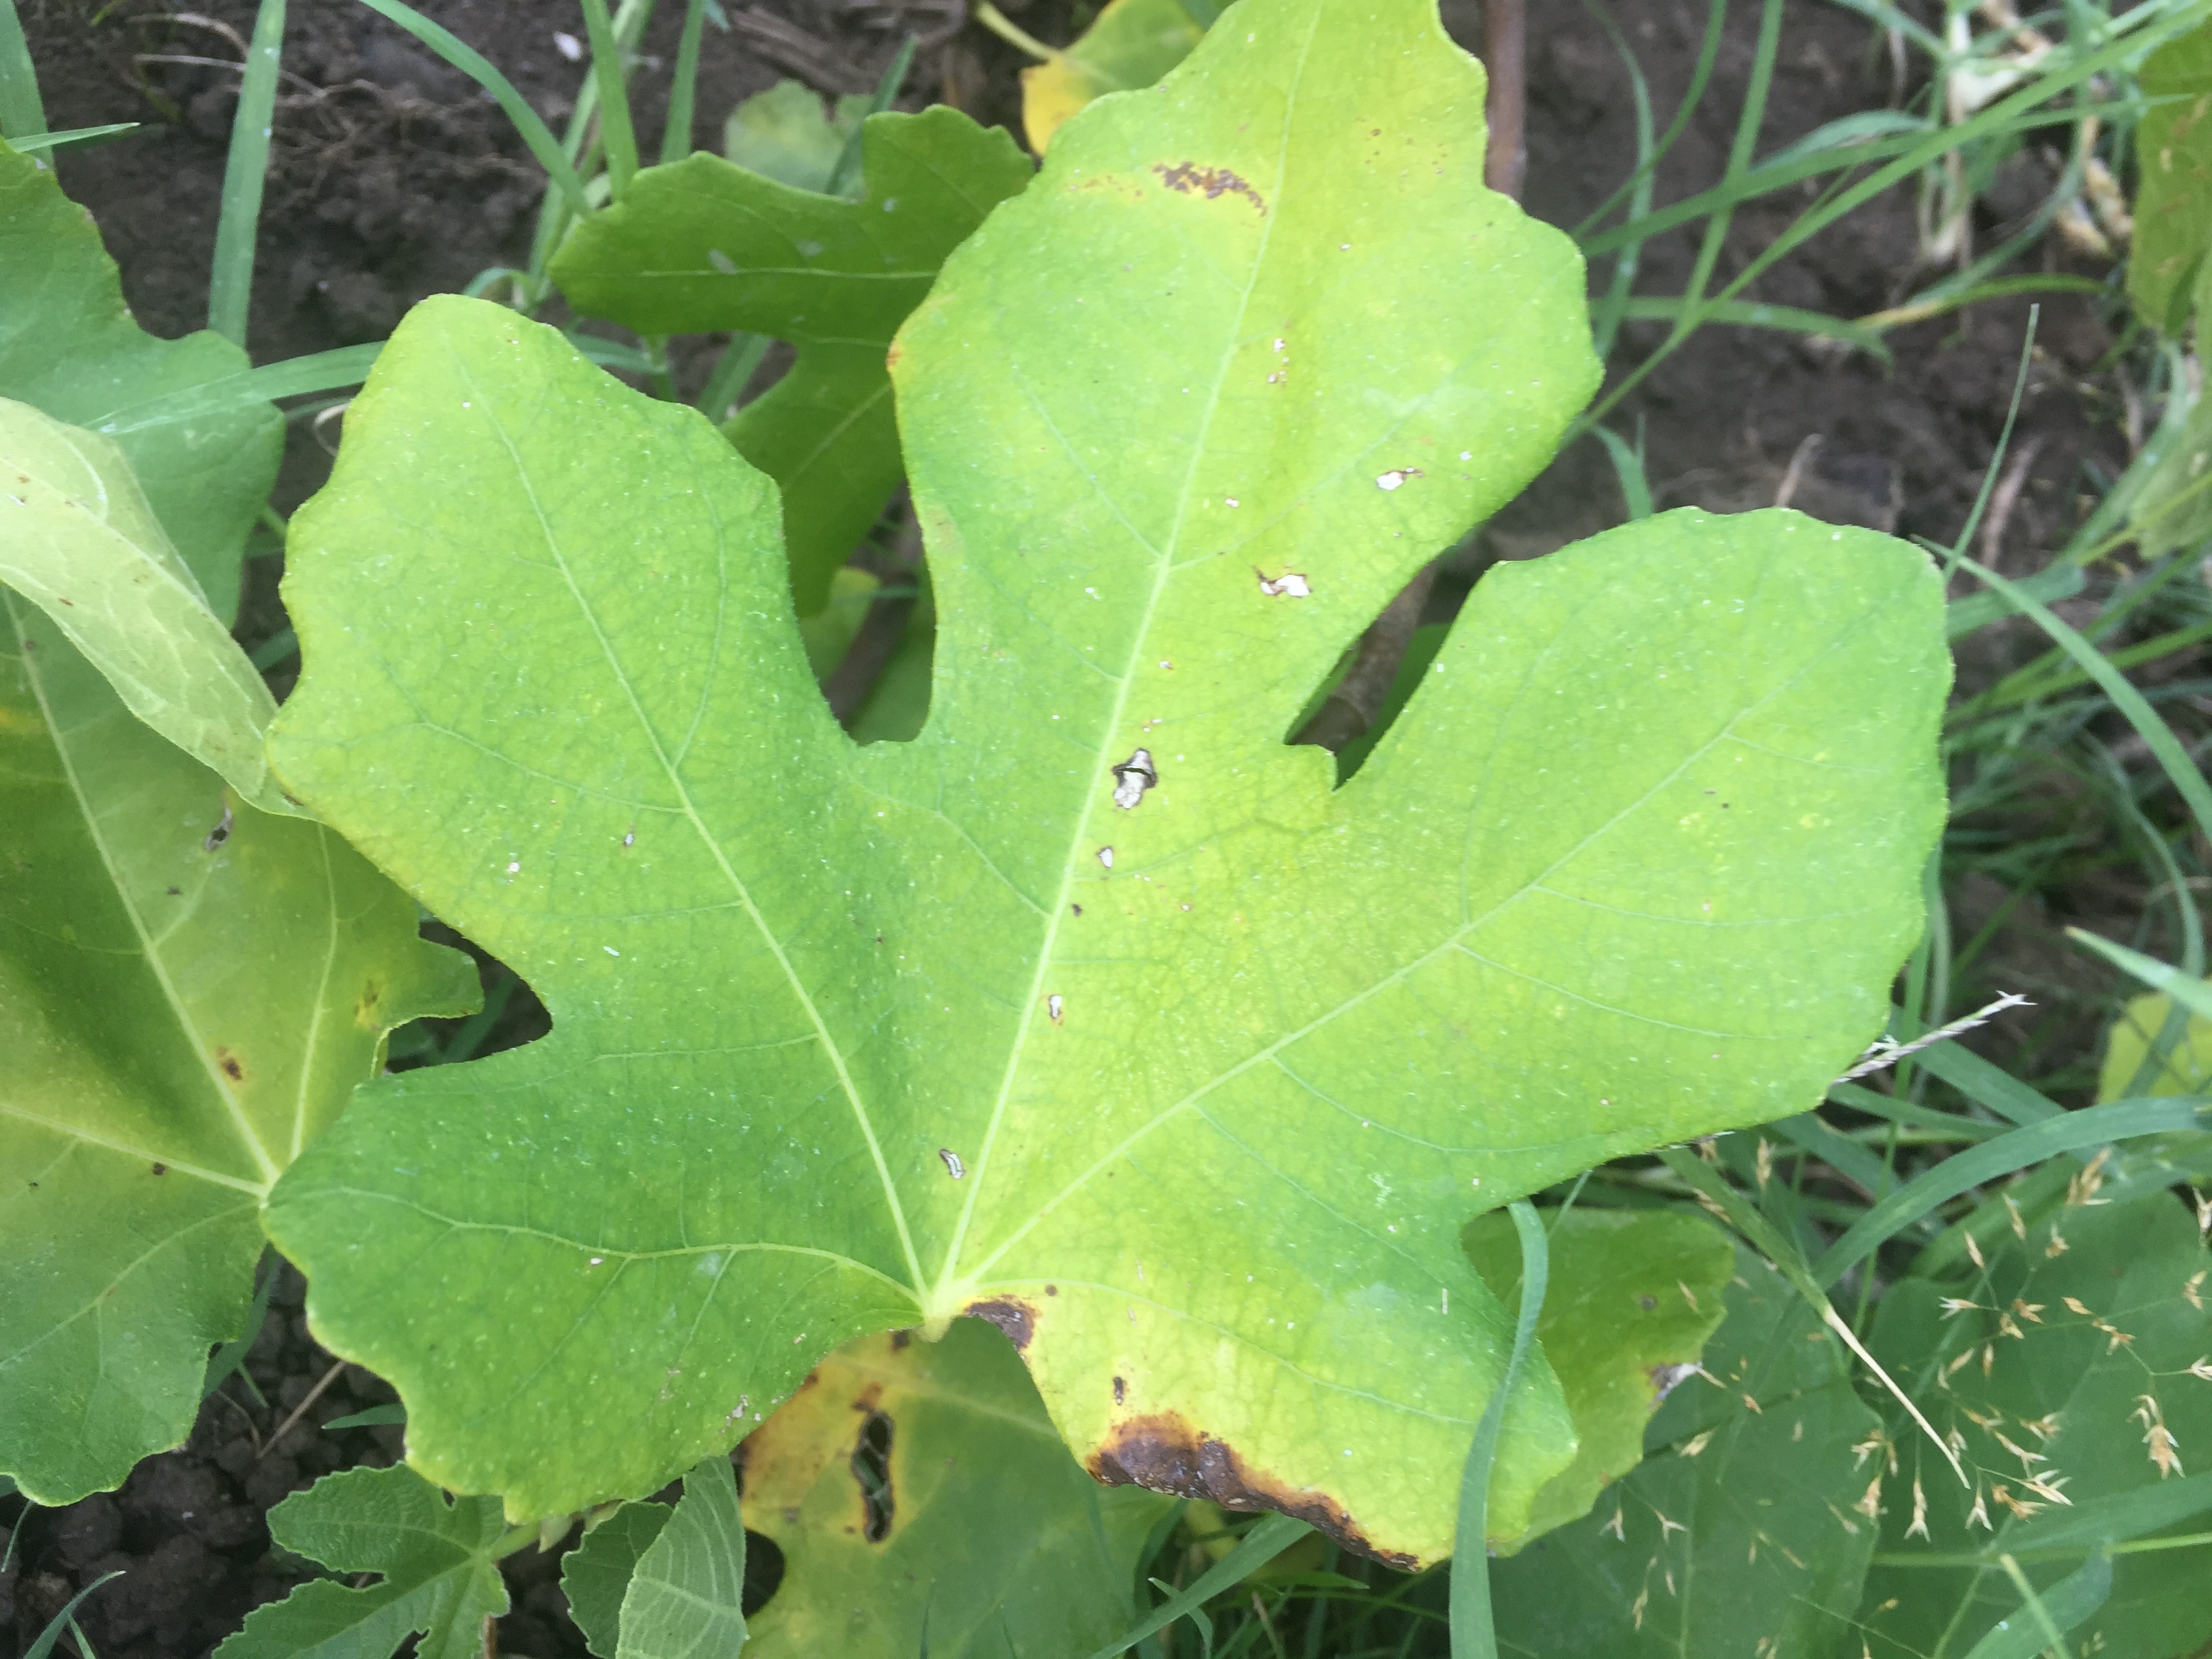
(392, 178)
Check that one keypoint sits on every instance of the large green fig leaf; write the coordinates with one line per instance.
(1189, 1086)
(189, 991)
(983, 1537)
(68, 346)
(78, 538)
(1633, 1294)
(1746, 1530)
(2174, 202)
(436, 1560)
(702, 244)
(2072, 1373)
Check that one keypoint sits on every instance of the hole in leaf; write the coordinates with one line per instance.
(511, 1015)
(871, 1468)
(1375, 678)
(873, 644)
(763, 1571)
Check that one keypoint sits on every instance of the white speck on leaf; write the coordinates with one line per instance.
(1397, 476)
(611, 950)
(721, 262)
(1053, 1007)
(1289, 585)
(953, 1166)
(1106, 857)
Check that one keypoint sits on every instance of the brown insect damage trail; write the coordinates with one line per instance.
(1192, 179)
(1163, 1452)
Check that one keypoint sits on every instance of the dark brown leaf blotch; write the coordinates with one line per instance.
(1011, 1314)
(1163, 1452)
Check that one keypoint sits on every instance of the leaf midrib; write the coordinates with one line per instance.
(1163, 570)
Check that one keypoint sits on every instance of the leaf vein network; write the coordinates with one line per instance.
(713, 847)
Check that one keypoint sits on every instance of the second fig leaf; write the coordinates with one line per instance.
(702, 245)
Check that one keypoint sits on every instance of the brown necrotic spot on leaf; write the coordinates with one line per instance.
(1121, 1390)
(1192, 179)
(1015, 1317)
(1163, 1452)
(364, 1011)
(231, 1066)
(871, 1468)
(160, 1168)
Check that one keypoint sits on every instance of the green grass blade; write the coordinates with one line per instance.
(63, 1619)
(2036, 681)
(1472, 1636)
(1605, 319)
(2028, 107)
(74, 136)
(1748, 124)
(1886, 16)
(2114, 1518)
(1940, 299)
(1965, 536)
(1709, 51)
(2179, 768)
(1262, 1544)
(2051, 1614)
(733, 371)
(1906, 153)
(2063, 581)
(683, 90)
(245, 174)
(321, 371)
(1850, 130)
(1849, 1159)
(528, 124)
(1628, 466)
(616, 132)
(21, 111)
(1910, 1112)
(2187, 990)
(1749, 314)
(847, 172)
(2070, 1132)
(231, 1356)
